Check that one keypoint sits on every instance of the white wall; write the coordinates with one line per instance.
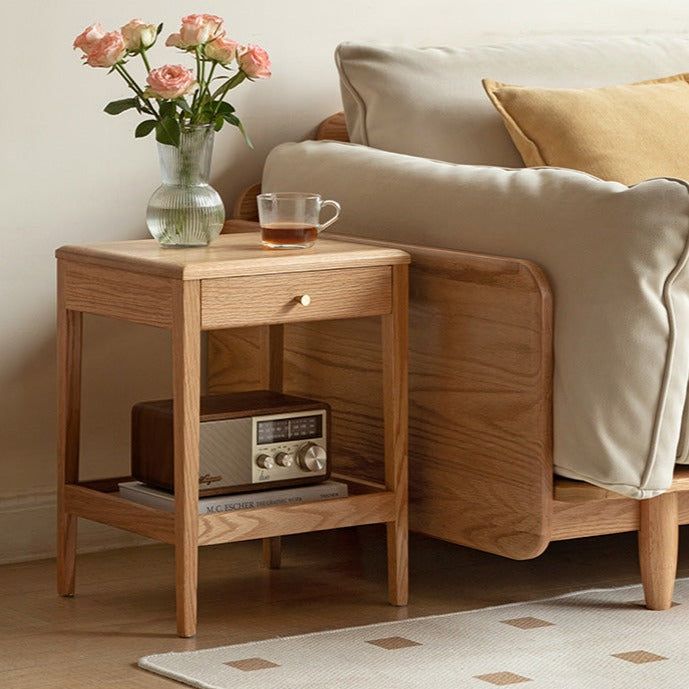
(72, 174)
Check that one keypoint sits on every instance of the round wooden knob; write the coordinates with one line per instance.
(303, 299)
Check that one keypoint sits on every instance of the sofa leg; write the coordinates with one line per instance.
(658, 544)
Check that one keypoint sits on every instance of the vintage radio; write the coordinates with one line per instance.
(248, 441)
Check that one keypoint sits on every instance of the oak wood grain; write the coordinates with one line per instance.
(272, 552)
(245, 206)
(69, 345)
(272, 348)
(117, 294)
(683, 507)
(268, 299)
(110, 508)
(395, 342)
(345, 279)
(186, 373)
(282, 520)
(480, 396)
(594, 518)
(235, 359)
(333, 128)
(231, 255)
(658, 548)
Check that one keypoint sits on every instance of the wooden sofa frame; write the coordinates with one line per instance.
(480, 376)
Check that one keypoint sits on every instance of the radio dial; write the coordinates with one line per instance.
(284, 459)
(312, 457)
(265, 462)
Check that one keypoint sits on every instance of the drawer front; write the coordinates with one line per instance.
(265, 299)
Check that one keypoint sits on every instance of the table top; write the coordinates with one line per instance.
(230, 255)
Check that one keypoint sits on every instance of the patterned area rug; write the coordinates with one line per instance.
(603, 639)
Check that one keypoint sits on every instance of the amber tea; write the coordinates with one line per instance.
(280, 234)
(291, 220)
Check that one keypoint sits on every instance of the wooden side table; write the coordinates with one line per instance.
(232, 283)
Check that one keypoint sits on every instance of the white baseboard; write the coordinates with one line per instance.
(27, 529)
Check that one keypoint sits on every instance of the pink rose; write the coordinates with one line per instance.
(222, 50)
(88, 37)
(174, 40)
(199, 29)
(254, 62)
(138, 35)
(107, 50)
(170, 82)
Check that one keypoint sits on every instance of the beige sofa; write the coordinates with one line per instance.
(500, 400)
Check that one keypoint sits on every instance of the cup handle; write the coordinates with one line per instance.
(328, 223)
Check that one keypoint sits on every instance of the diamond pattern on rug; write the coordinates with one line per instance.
(392, 643)
(527, 622)
(638, 657)
(502, 679)
(250, 664)
(479, 649)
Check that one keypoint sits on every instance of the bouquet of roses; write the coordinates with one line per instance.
(174, 97)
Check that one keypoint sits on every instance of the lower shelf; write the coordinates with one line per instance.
(99, 501)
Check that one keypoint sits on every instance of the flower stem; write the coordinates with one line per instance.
(144, 57)
(221, 92)
(192, 118)
(137, 89)
(207, 84)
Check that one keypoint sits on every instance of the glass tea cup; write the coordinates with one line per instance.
(291, 219)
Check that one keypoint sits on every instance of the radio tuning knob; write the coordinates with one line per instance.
(284, 459)
(265, 461)
(312, 457)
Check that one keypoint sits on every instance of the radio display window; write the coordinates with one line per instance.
(296, 428)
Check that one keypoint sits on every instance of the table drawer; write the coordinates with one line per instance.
(263, 299)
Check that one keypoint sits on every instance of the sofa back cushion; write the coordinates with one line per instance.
(616, 258)
(429, 102)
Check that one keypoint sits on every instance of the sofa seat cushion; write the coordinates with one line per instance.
(623, 133)
(616, 258)
(429, 102)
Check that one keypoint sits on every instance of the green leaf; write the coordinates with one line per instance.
(231, 83)
(218, 122)
(167, 108)
(159, 29)
(231, 119)
(117, 106)
(167, 131)
(244, 134)
(225, 107)
(145, 128)
(183, 105)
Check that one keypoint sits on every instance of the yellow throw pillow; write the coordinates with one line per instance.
(624, 133)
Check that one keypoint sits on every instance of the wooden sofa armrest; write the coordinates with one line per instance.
(480, 394)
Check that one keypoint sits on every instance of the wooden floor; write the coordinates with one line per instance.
(124, 604)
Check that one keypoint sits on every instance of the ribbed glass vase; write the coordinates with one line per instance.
(185, 210)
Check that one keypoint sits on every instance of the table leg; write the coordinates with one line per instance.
(272, 353)
(395, 414)
(272, 552)
(69, 338)
(186, 372)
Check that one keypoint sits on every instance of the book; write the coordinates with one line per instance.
(159, 499)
